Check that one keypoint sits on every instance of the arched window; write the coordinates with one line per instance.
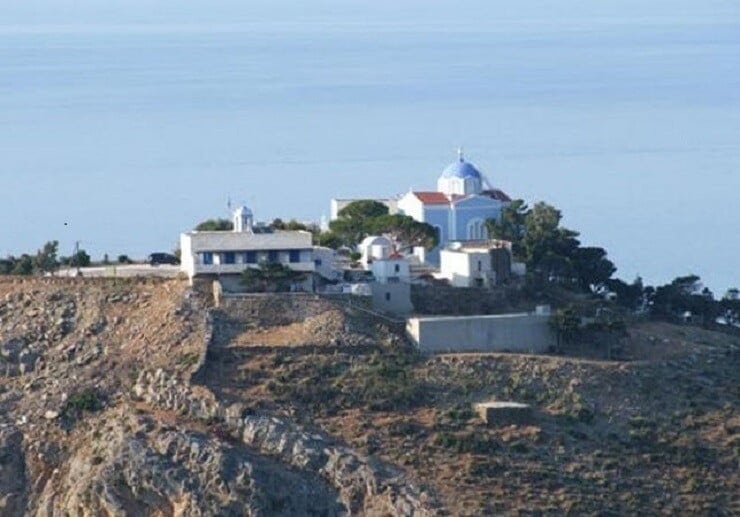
(477, 229)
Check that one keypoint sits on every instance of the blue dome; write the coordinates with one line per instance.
(461, 169)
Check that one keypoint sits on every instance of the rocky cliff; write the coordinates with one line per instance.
(100, 417)
(137, 398)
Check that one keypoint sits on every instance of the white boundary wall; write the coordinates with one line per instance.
(507, 332)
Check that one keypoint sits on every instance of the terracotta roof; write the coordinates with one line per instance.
(432, 198)
(497, 194)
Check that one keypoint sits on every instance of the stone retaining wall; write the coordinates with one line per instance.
(445, 300)
(199, 368)
(62, 280)
(275, 309)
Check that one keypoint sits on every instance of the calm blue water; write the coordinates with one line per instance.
(132, 122)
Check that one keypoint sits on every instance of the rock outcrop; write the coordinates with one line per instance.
(12, 472)
(364, 485)
(102, 415)
(148, 469)
(134, 398)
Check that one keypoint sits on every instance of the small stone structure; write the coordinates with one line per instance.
(503, 413)
(218, 290)
(393, 298)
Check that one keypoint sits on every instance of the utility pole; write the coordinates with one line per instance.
(75, 257)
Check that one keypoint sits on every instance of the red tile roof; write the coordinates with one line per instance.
(432, 198)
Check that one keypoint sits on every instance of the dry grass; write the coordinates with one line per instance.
(632, 437)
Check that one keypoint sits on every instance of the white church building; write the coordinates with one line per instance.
(458, 209)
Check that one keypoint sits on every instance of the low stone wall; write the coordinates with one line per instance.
(446, 300)
(365, 486)
(64, 281)
(500, 333)
(284, 308)
(199, 368)
(274, 309)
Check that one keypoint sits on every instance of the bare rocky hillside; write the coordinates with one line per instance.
(135, 398)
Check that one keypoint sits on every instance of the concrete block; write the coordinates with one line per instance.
(504, 413)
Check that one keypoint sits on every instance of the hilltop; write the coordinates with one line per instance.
(136, 397)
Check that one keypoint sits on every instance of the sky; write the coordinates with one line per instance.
(131, 121)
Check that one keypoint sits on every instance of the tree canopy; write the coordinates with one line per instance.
(80, 259)
(23, 265)
(544, 236)
(405, 231)
(366, 217)
(271, 277)
(511, 224)
(292, 225)
(328, 239)
(682, 294)
(46, 260)
(546, 247)
(215, 225)
(566, 324)
(354, 221)
(629, 296)
(363, 209)
(592, 267)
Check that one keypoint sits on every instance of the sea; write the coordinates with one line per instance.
(123, 124)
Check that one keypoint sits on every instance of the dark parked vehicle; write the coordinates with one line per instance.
(6, 266)
(162, 258)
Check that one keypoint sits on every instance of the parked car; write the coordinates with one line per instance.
(156, 259)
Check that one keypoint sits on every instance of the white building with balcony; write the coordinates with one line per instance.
(391, 270)
(224, 255)
(476, 263)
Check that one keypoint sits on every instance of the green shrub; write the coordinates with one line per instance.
(473, 443)
(187, 360)
(460, 414)
(405, 428)
(86, 400)
(382, 383)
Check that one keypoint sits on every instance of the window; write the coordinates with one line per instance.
(477, 229)
(250, 257)
(387, 297)
(229, 257)
(295, 256)
(480, 266)
(398, 268)
(272, 256)
(317, 262)
(208, 258)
